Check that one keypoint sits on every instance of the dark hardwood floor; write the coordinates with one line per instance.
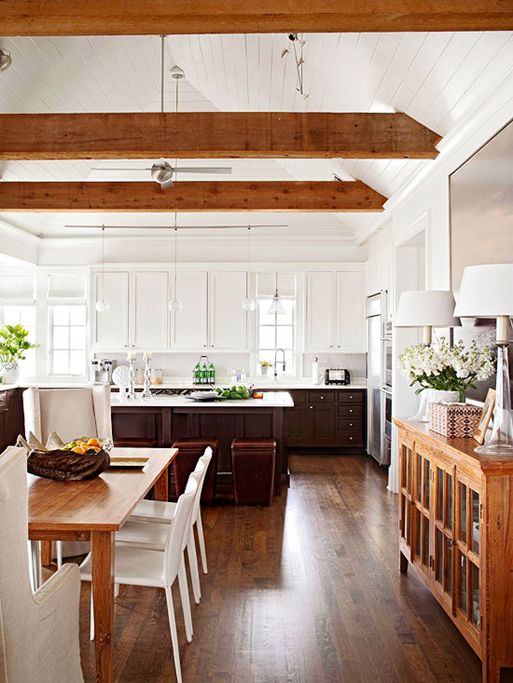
(306, 591)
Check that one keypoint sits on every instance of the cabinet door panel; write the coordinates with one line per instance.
(296, 424)
(149, 310)
(227, 291)
(111, 327)
(320, 311)
(189, 326)
(320, 424)
(350, 301)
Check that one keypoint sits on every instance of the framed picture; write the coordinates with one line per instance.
(484, 419)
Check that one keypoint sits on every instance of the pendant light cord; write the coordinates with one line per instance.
(103, 262)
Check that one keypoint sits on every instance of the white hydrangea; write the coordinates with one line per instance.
(447, 368)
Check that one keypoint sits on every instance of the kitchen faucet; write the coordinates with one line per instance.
(283, 364)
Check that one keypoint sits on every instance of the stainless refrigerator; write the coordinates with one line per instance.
(376, 318)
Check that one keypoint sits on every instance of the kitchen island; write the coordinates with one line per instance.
(160, 420)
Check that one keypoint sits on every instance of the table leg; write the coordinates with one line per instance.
(102, 546)
(46, 553)
(35, 559)
(161, 490)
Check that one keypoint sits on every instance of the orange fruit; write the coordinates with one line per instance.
(79, 449)
(93, 442)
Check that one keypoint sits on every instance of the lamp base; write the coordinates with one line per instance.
(501, 439)
(503, 449)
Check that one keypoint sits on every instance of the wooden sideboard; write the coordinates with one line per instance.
(456, 528)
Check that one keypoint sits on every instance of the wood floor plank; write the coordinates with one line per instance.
(305, 591)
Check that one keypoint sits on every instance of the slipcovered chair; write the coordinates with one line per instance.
(39, 632)
(71, 413)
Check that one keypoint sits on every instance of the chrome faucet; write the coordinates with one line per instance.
(283, 363)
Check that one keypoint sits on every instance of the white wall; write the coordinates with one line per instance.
(425, 206)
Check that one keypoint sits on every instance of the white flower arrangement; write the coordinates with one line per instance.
(445, 367)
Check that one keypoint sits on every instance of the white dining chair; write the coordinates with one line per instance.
(146, 527)
(39, 631)
(71, 413)
(158, 569)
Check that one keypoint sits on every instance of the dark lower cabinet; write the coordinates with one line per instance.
(326, 418)
(11, 417)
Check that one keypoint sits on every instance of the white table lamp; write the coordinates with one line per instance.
(426, 309)
(487, 292)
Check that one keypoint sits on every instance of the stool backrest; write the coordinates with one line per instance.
(179, 532)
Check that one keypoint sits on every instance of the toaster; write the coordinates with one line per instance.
(337, 376)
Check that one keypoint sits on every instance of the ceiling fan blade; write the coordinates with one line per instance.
(221, 170)
(139, 170)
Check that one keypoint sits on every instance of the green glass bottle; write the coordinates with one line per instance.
(211, 374)
(204, 374)
(196, 374)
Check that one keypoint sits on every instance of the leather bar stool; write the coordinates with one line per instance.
(189, 451)
(253, 464)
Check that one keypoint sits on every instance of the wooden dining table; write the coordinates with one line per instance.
(93, 511)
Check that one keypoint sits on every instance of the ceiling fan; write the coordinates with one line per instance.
(162, 172)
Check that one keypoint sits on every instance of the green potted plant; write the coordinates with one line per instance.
(264, 367)
(13, 346)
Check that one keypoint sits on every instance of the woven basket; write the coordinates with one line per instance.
(454, 420)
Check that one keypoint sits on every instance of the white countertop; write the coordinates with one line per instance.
(275, 399)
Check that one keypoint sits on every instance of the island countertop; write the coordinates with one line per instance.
(271, 399)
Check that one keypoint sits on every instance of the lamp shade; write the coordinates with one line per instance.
(421, 308)
(486, 291)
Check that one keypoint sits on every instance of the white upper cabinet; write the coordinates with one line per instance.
(227, 318)
(149, 313)
(350, 312)
(320, 311)
(189, 326)
(111, 327)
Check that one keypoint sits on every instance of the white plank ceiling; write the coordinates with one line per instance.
(437, 78)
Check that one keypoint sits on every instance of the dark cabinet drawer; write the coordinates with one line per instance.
(357, 397)
(321, 397)
(350, 410)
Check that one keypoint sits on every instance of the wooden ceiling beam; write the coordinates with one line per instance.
(190, 196)
(133, 17)
(215, 135)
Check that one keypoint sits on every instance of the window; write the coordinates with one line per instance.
(276, 331)
(23, 315)
(68, 334)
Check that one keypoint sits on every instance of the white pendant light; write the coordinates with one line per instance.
(276, 307)
(175, 305)
(102, 305)
(249, 304)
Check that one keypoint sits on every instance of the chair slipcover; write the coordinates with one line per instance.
(39, 633)
(71, 413)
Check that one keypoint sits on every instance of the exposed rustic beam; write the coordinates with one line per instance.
(216, 135)
(133, 17)
(195, 196)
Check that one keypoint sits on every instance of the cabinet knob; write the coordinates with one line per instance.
(311, 407)
(322, 398)
(350, 410)
(350, 424)
(350, 438)
(350, 397)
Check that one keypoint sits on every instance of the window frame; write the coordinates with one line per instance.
(292, 350)
(50, 345)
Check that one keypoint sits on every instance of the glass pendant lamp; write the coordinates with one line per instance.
(249, 304)
(102, 305)
(276, 306)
